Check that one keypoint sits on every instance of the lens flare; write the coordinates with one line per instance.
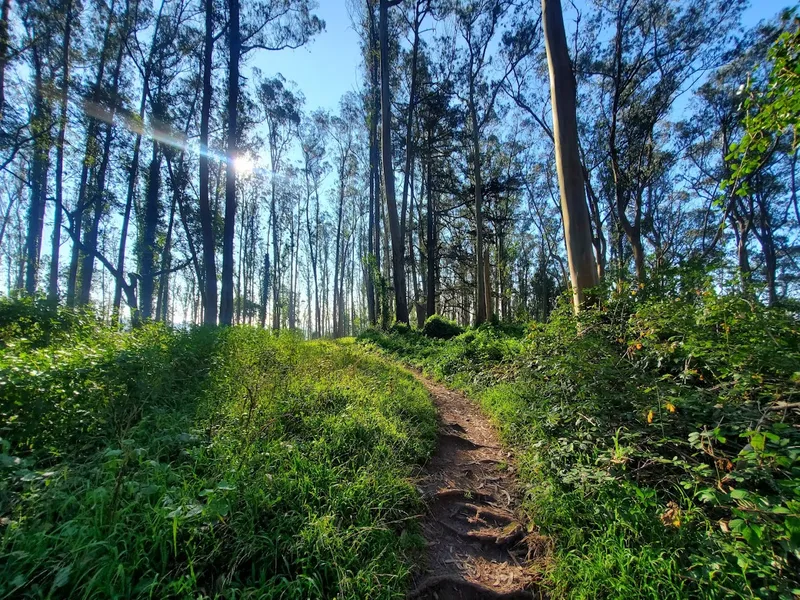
(243, 164)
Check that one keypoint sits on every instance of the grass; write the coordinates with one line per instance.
(657, 439)
(203, 463)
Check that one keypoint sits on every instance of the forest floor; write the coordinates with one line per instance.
(478, 546)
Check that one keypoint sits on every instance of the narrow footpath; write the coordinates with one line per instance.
(478, 548)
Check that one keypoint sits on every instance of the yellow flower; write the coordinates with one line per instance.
(638, 346)
(650, 417)
(670, 407)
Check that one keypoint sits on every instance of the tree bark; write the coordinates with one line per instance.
(133, 171)
(98, 192)
(147, 253)
(398, 270)
(62, 128)
(91, 135)
(431, 241)
(40, 128)
(575, 214)
(162, 301)
(3, 53)
(234, 50)
(206, 215)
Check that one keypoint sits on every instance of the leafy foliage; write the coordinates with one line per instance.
(439, 327)
(769, 113)
(233, 463)
(657, 439)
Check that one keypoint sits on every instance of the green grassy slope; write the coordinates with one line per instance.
(658, 440)
(231, 463)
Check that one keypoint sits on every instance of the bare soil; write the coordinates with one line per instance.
(478, 545)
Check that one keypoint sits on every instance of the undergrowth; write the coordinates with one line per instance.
(657, 439)
(202, 463)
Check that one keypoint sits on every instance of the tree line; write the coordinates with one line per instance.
(494, 155)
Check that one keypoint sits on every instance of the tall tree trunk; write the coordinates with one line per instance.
(412, 99)
(234, 52)
(337, 274)
(133, 171)
(398, 269)
(55, 251)
(3, 53)
(487, 269)
(575, 214)
(206, 216)
(162, 302)
(481, 307)
(276, 265)
(373, 247)
(40, 129)
(97, 201)
(90, 148)
(431, 242)
(147, 253)
(262, 317)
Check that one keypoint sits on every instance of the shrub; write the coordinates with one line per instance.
(657, 439)
(440, 328)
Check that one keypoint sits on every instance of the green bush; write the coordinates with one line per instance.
(441, 328)
(657, 440)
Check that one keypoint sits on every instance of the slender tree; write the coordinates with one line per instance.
(574, 213)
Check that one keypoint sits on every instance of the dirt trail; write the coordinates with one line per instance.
(477, 547)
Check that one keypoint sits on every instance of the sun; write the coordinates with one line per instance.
(243, 164)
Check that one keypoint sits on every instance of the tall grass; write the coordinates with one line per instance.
(206, 463)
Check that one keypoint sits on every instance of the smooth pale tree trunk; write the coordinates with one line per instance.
(206, 216)
(398, 268)
(373, 246)
(431, 246)
(276, 253)
(481, 308)
(262, 315)
(575, 214)
(234, 50)
(337, 308)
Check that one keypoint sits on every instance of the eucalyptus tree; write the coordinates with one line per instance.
(655, 53)
(313, 146)
(40, 36)
(480, 26)
(343, 137)
(160, 74)
(281, 109)
(70, 20)
(395, 228)
(267, 25)
(574, 212)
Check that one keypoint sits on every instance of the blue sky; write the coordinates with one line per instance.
(329, 66)
(325, 69)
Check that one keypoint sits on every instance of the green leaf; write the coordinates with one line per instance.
(62, 577)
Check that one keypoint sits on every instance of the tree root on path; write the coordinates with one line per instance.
(473, 590)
